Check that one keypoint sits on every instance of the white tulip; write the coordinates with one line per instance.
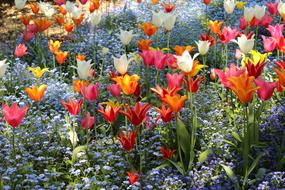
(47, 9)
(259, 11)
(83, 68)
(185, 62)
(126, 36)
(121, 64)
(76, 12)
(3, 67)
(229, 6)
(248, 13)
(95, 19)
(157, 18)
(169, 21)
(203, 47)
(245, 44)
(281, 8)
(69, 6)
(20, 4)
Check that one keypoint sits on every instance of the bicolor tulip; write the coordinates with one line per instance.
(21, 50)
(88, 121)
(280, 64)
(54, 46)
(232, 71)
(203, 47)
(254, 69)
(180, 49)
(127, 83)
(25, 19)
(185, 62)
(229, 6)
(121, 64)
(244, 43)
(72, 107)
(14, 115)
(205, 37)
(114, 89)
(36, 93)
(168, 7)
(281, 78)
(175, 102)
(265, 89)
(35, 8)
(110, 112)
(215, 26)
(83, 68)
(61, 56)
(144, 44)
(228, 34)
(42, 24)
(3, 67)
(166, 152)
(126, 36)
(127, 140)
(90, 92)
(162, 92)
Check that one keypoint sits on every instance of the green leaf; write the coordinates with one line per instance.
(178, 166)
(204, 155)
(236, 136)
(183, 137)
(230, 142)
(229, 172)
(260, 173)
(76, 151)
(254, 164)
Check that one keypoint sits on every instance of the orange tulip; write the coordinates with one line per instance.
(144, 44)
(154, 2)
(215, 26)
(243, 87)
(206, 2)
(35, 8)
(78, 84)
(127, 83)
(80, 57)
(78, 21)
(68, 27)
(54, 46)
(61, 56)
(281, 78)
(148, 28)
(42, 24)
(180, 49)
(174, 102)
(36, 93)
(25, 19)
(62, 10)
(94, 6)
(59, 19)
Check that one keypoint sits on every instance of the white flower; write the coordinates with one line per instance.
(76, 12)
(185, 62)
(157, 18)
(245, 44)
(126, 36)
(229, 6)
(69, 6)
(121, 64)
(3, 67)
(169, 21)
(95, 19)
(83, 68)
(47, 9)
(203, 47)
(19, 4)
(248, 13)
(259, 11)
(281, 8)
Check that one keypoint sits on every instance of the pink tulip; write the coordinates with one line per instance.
(21, 50)
(27, 36)
(238, 54)
(159, 59)
(232, 71)
(59, 2)
(88, 121)
(269, 44)
(14, 115)
(276, 31)
(32, 28)
(242, 23)
(174, 80)
(83, 2)
(114, 89)
(90, 92)
(147, 57)
(272, 8)
(228, 34)
(266, 89)
(266, 20)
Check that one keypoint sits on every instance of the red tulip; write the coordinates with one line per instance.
(210, 38)
(88, 121)
(14, 115)
(83, 2)
(168, 7)
(161, 92)
(193, 85)
(266, 20)
(154, 57)
(242, 23)
(228, 34)
(165, 114)
(72, 107)
(59, 2)
(114, 89)
(21, 50)
(174, 80)
(90, 92)
(272, 8)
(206, 2)
(111, 111)
(128, 140)
(266, 89)
(133, 177)
(136, 114)
(280, 64)
(254, 69)
(166, 152)
(27, 36)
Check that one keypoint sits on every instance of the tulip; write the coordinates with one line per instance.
(14, 115)
(215, 26)
(95, 19)
(229, 6)
(206, 2)
(27, 36)
(266, 20)
(94, 6)
(38, 72)
(180, 49)
(195, 69)
(83, 2)
(47, 9)
(36, 93)
(25, 19)
(54, 46)
(166, 152)
(72, 107)
(114, 89)
(42, 24)
(281, 78)
(174, 80)
(280, 64)
(78, 20)
(193, 85)
(127, 83)
(35, 8)
(60, 2)
(144, 44)
(266, 89)
(169, 21)
(20, 4)
(228, 34)
(78, 84)
(240, 5)
(259, 11)
(162, 92)
(83, 68)
(185, 62)
(90, 92)
(276, 31)
(121, 64)
(242, 23)
(174, 102)
(248, 14)
(281, 8)
(244, 43)
(254, 69)
(80, 57)
(205, 37)
(128, 140)
(168, 7)
(137, 114)
(272, 8)
(133, 177)
(111, 111)
(88, 121)
(62, 10)
(126, 36)
(61, 56)
(232, 71)
(157, 18)
(3, 67)
(21, 50)
(203, 47)
(68, 27)
(243, 87)
(165, 114)
(269, 44)
(149, 29)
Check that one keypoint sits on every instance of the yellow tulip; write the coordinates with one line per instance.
(38, 72)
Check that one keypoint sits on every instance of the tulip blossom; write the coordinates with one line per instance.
(60, 2)
(133, 177)
(90, 92)
(157, 18)
(205, 37)
(25, 19)
(27, 36)
(175, 102)
(20, 4)
(180, 49)
(94, 6)
(83, 2)
(126, 36)
(174, 80)
(110, 112)
(166, 115)
(121, 64)
(243, 87)
(21, 50)
(35, 8)
(3, 67)
(281, 78)
(95, 19)
(185, 62)
(83, 68)
(137, 114)
(72, 107)
(280, 64)
(229, 6)
(244, 43)
(127, 140)
(266, 20)
(269, 44)
(78, 84)
(169, 21)
(47, 9)
(127, 83)
(162, 92)
(215, 26)
(114, 89)
(259, 11)
(14, 115)
(38, 72)
(240, 5)
(61, 56)
(54, 46)
(78, 21)
(272, 8)
(203, 47)
(36, 93)
(248, 14)
(88, 121)
(265, 89)
(42, 24)
(80, 57)
(144, 44)
(206, 2)
(154, 57)
(254, 69)
(149, 29)
(68, 27)
(232, 71)
(166, 152)
(276, 31)
(171, 61)
(228, 34)
(193, 85)
(281, 8)
(168, 7)
(62, 10)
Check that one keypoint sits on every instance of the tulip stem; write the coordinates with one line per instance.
(215, 53)
(255, 42)
(157, 77)
(73, 131)
(102, 66)
(245, 140)
(13, 141)
(53, 59)
(168, 41)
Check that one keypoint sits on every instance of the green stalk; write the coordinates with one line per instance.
(245, 141)
(13, 141)
(215, 52)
